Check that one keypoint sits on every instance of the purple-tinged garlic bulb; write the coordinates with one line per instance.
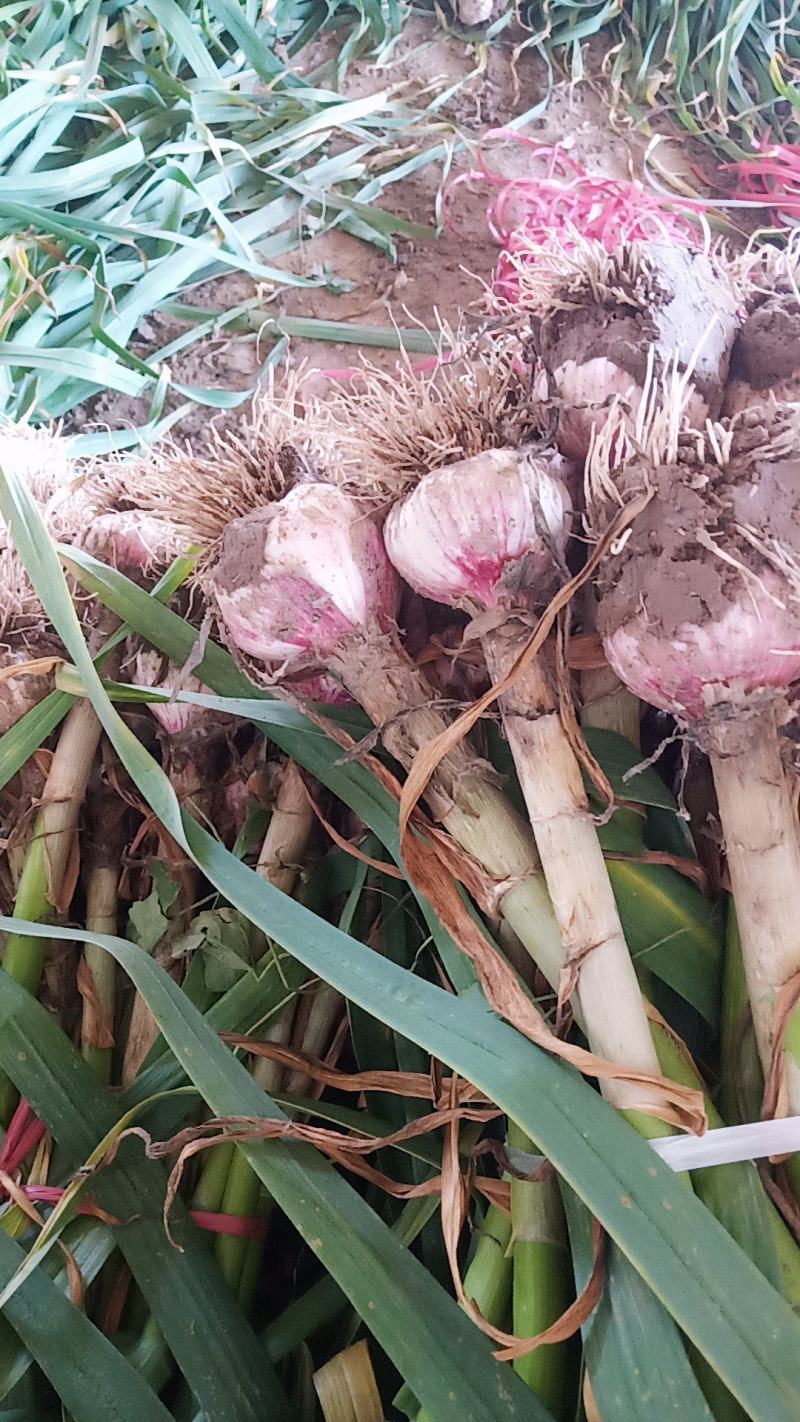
(700, 613)
(765, 361)
(606, 323)
(318, 687)
(296, 580)
(191, 735)
(476, 534)
(134, 542)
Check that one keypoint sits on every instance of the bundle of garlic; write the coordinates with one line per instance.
(486, 534)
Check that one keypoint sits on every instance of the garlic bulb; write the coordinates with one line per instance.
(480, 533)
(134, 542)
(607, 322)
(698, 608)
(174, 717)
(699, 613)
(296, 578)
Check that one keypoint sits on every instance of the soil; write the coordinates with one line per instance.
(767, 348)
(432, 282)
(667, 567)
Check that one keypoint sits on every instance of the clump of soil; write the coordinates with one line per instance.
(766, 355)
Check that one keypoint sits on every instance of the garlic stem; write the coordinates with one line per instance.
(763, 849)
(461, 796)
(580, 890)
(102, 896)
(607, 702)
(47, 861)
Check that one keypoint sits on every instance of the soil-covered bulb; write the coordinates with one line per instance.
(295, 579)
(483, 533)
(647, 307)
(699, 611)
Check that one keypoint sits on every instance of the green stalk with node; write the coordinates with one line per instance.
(282, 854)
(542, 1286)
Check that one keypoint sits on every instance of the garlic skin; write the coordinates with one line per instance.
(587, 392)
(19, 694)
(296, 578)
(470, 534)
(132, 541)
(321, 688)
(706, 665)
(173, 716)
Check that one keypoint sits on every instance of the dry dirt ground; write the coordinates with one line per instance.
(434, 281)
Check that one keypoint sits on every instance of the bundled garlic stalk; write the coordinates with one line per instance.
(192, 739)
(485, 534)
(604, 320)
(699, 616)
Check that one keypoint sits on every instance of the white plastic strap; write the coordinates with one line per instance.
(723, 1146)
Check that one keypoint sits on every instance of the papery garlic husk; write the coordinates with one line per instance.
(19, 694)
(174, 717)
(699, 613)
(605, 322)
(320, 688)
(487, 534)
(296, 579)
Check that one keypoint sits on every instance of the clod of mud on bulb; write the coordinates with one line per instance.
(765, 362)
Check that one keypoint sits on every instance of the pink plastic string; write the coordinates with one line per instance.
(771, 179)
(555, 199)
(242, 1226)
(24, 1133)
